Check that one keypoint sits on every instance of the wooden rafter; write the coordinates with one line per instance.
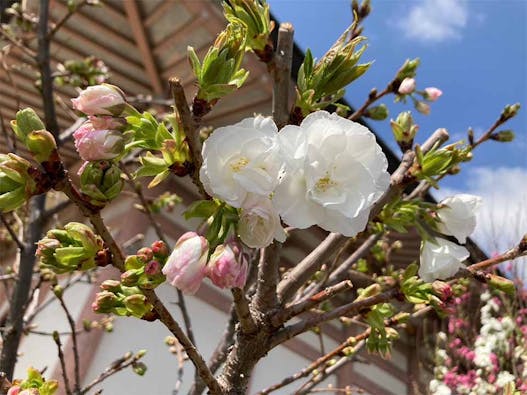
(143, 44)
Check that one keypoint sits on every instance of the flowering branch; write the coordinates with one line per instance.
(181, 299)
(281, 71)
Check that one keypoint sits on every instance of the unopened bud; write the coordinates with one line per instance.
(503, 136)
(111, 285)
(422, 107)
(145, 254)
(432, 94)
(442, 290)
(41, 144)
(378, 113)
(58, 291)
(368, 292)
(407, 86)
(510, 111)
(160, 249)
(130, 277)
(408, 69)
(27, 121)
(136, 305)
(104, 302)
(153, 268)
(502, 284)
(139, 368)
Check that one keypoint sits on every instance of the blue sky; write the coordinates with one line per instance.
(476, 52)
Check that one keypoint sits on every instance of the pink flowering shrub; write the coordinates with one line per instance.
(483, 356)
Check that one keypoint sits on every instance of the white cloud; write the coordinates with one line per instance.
(435, 20)
(502, 220)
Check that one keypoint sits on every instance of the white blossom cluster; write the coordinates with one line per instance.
(442, 258)
(328, 171)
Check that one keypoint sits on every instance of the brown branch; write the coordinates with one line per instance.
(56, 338)
(20, 296)
(190, 128)
(307, 267)
(241, 304)
(303, 306)
(46, 79)
(372, 97)
(347, 309)
(167, 319)
(137, 187)
(282, 61)
(356, 342)
(342, 271)
(268, 276)
(516, 252)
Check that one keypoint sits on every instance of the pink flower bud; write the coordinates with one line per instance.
(93, 144)
(407, 86)
(422, 107)
(227, 267)
(107, 122)
(152, 268)
(14, 390)
(186, 266)
(432, 94)
(104, 99)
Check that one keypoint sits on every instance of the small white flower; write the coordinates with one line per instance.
(458, 215)
(440, 260)
(240, 159)
(259, 222)
(437, 387)
(334, 173)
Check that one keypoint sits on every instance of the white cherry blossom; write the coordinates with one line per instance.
(259, 222)
(441, 260)
(240, 159)
(335, 171)
(458, 215)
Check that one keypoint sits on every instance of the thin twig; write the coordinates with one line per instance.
(282, 61)
(12, 233)
(56, 338)
(347, 309)
(71, 322)
(300, 307)
(190, 128)
(116, 366)
(372, 97)
(355, 342)
(69, 14)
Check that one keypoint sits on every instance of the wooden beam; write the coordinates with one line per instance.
(142, 41)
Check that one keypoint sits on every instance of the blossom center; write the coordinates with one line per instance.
(324, 183)
(239, 164)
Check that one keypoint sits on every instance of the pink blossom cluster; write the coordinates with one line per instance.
(189, 264)
(487, 361)
(100, 137)
(408, 87)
